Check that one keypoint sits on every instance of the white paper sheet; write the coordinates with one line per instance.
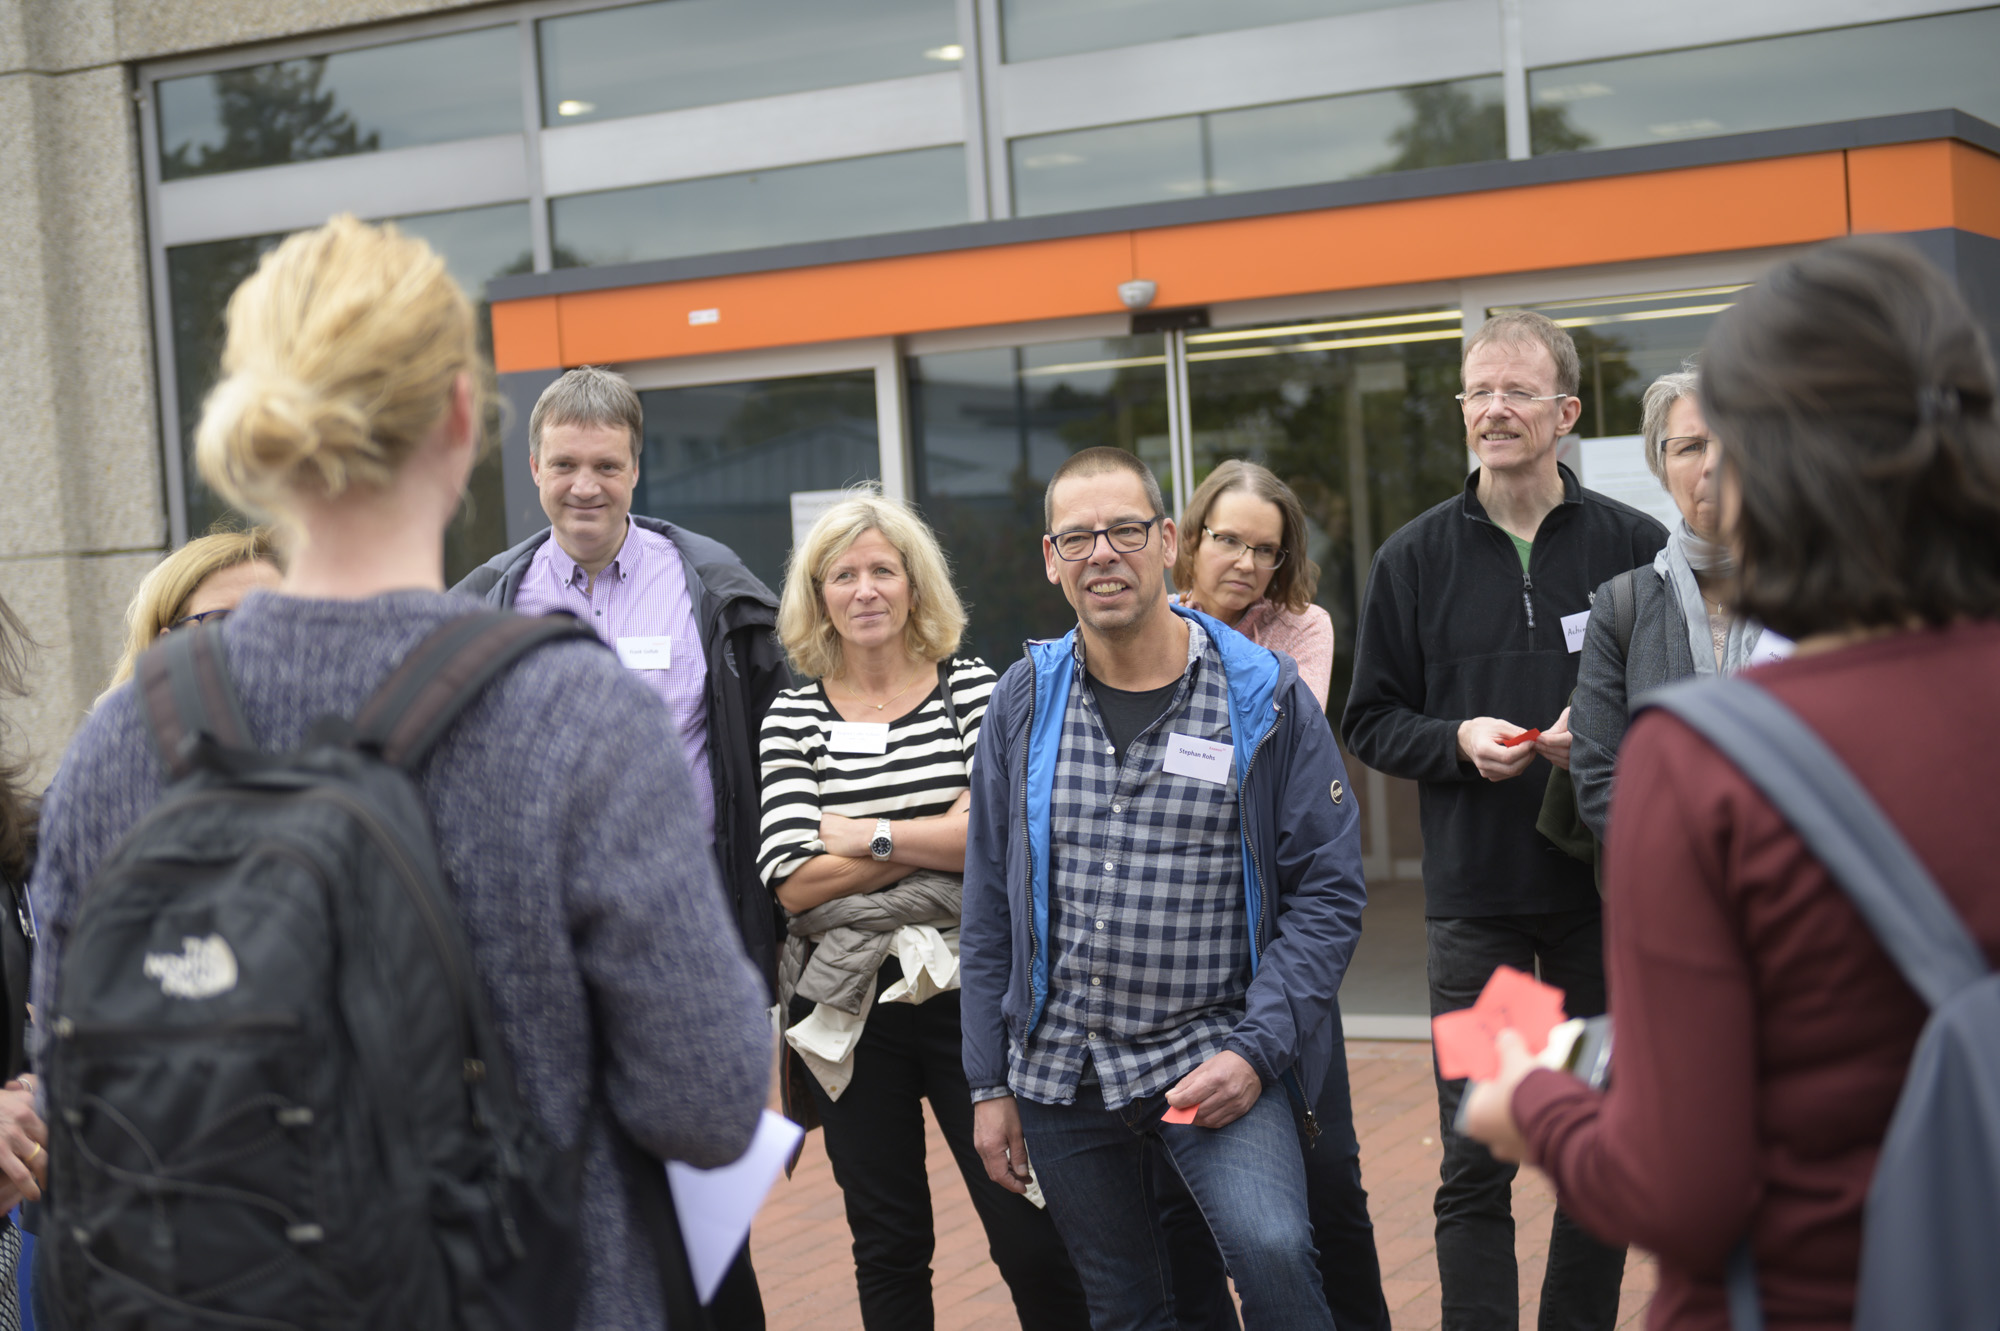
(1616, 466)
(807, 505)
(716, 1206)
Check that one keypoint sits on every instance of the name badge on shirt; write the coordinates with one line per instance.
(1202, 759)
(655, 653)
(857, 736)
(1573, 627)
(1771, 647)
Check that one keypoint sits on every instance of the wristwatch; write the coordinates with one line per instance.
(884, 845)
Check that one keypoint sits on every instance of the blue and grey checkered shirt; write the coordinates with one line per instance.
(1149, 939)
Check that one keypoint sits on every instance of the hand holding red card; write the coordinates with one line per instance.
(1513, 741)
(1512, 1000)
(1185, 1114)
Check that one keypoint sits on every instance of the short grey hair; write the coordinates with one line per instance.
(1515, 327)
(588, 396)
(1657, 405)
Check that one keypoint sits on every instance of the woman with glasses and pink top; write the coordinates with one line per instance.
(1243, 560)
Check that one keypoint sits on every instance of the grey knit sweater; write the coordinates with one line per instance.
(565, 819)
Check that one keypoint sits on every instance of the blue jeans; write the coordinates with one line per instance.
(1248, 1179)
(1350, 1272)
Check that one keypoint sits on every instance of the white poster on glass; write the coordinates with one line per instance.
(807, 505)
(1616, 466)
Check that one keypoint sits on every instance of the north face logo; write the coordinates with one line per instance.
(204, 968)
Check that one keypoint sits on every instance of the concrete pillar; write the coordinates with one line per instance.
(82, 513)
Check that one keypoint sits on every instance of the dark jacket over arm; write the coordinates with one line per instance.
(1609, 680)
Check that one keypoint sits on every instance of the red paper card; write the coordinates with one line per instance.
(1185, 1114)
(1511, 1000)
(1525, 737)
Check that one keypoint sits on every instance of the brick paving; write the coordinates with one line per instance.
(801, 1247)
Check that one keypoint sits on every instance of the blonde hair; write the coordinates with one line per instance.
(164, 594)
(342, 351)
(937, 616)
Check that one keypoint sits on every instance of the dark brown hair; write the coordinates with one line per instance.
(1854, 396)
(1096, 462)
(18, 809)
(1295, 581)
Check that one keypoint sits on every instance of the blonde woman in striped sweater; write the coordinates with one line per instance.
(864, 818)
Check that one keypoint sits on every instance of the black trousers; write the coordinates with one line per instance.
(1349, 1269)
(875, 1141)
(1474, 1205)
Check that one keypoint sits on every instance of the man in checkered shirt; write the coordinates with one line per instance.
(1162, 891)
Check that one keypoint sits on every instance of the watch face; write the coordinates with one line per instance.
(880, 847)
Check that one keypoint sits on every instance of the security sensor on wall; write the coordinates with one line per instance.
(1137, 294)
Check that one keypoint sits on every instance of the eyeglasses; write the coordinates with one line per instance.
(1686, 446)
(1126, 538)
(201, 618)
(1513, 397)
(1263, 556)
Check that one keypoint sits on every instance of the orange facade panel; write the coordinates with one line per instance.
(1699, 210)
(1695, 210)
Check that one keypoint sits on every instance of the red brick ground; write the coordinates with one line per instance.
(800, 1242)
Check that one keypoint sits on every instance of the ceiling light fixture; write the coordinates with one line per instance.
(572, 107)
(952, 52)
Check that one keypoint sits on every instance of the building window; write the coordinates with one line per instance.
(1035, 29)
(477, 244)
(859, 196)
(1920, 64)
(434, 90)
(681, 53)
(1260, 147)
(725, 460)
(988, 429)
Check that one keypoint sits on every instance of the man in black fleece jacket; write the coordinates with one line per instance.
(1469, 632)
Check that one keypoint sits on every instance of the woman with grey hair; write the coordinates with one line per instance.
(1657, 624)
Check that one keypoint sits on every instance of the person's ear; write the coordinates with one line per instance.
(1170, 543)
(1049, 565)
(1566, 419)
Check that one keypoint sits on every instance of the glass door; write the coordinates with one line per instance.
(733, 460)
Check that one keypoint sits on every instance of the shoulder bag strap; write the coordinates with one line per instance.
(443, 674)
(1624, 610)
(1840, 824)
(186, 694)
(1849, 834)
(950, 707)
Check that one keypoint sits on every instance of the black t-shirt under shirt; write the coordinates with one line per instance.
(1126, 712)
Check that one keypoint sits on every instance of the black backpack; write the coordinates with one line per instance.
(277, 1099)
(1933, 1215)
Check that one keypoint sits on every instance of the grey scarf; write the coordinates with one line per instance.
(1684, 555)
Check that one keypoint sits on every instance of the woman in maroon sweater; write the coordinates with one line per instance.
(1763, 1034)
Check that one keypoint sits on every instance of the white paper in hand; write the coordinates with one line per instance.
(716, 1206)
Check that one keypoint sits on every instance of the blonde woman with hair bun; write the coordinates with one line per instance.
(865, 802)
(204, 579)
(349, 416)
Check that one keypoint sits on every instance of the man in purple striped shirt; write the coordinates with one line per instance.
(684, 614)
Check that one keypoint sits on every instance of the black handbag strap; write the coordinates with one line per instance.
(187, 696)
(441, 676)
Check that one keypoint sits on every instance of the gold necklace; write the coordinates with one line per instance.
(878, 706)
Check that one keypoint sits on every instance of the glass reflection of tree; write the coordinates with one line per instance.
(272, 113)
(1449, 125)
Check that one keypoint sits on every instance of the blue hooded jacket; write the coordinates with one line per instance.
(1301, 837)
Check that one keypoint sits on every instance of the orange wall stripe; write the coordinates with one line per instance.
(525, 335)
(1975, 188)
(1743, 205)
(1002, 284)
(1697, 210)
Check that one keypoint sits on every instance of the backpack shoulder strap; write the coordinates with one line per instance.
(944, 696)
(186, 694)
(1840, 824)
(443, 674)
(1624, 610)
